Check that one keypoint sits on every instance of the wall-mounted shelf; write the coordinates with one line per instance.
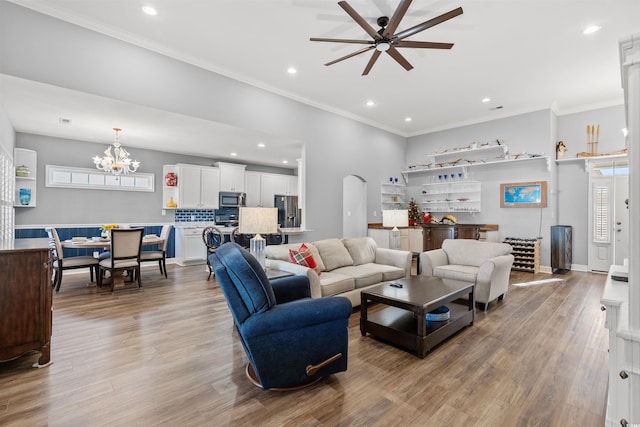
(392, 196)
(460, 196)
(470, 157)
(26, 164)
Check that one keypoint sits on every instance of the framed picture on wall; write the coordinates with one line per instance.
(523, 195)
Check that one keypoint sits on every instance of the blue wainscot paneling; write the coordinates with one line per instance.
(66, 233)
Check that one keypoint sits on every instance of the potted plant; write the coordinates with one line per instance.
(414, 212)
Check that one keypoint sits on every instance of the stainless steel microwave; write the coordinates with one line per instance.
(230, 199)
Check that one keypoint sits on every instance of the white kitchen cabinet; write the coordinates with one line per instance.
(252, 183)
(231, 176)
(292, 185)
(198, 187)
(415, 239)
(382, 237)
(190, 248)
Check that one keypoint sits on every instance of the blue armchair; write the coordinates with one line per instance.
(290, 339)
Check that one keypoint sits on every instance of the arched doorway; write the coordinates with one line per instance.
(354, 206)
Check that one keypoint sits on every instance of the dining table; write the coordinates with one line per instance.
(100, 242)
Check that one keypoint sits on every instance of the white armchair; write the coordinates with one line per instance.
(487, 264)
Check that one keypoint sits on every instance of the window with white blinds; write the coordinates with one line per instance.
(601, 228)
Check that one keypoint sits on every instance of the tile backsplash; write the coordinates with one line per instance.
(195, 215)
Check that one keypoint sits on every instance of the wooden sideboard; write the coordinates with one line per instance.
(434, 234)
(25, 299)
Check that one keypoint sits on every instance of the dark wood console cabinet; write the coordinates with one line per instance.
(25, 299)
(435, 234)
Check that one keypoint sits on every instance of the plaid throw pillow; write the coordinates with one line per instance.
(303, 257)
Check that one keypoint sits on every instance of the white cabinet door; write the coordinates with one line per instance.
(268, 187)
(415, 239)
(189, 187)
(231, 176)
(252, 181)
(210, 186)
(190, 248)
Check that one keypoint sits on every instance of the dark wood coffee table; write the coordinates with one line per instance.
(403, 321)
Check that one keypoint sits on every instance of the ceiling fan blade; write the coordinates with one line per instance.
(423, 45)
(428, 24)
(319, 39)
(359, 20)
(397, 17)
(374, 58)
(399, 58)
(351, 55)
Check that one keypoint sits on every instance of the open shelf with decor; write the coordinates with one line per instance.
(26, 163)
(457, 196)
(169, 187)
(392, 195)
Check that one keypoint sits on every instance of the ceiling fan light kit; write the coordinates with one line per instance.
(384, 40)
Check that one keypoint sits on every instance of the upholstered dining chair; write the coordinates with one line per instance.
(159, 255)
(212, 238)
(290, 339)
(126, 244)
(61, 263)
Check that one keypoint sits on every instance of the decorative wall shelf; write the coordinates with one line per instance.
(26, 165)
(460, 196)
(436, 170)
(392, 196)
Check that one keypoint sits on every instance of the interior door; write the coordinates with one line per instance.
(621, 222)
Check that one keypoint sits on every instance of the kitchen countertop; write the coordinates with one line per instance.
(485, 227)
(228, 230)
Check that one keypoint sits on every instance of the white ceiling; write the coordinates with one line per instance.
(525, 55)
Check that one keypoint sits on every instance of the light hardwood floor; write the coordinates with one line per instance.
(168, 355)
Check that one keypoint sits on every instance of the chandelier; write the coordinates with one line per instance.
(117, 163)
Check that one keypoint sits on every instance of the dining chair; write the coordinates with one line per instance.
(126, 244)
(160, 255)
(60, 263)
(212, 238)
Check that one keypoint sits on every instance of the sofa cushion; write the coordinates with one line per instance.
(303, 257)
(333, 254)
(473, 252)
(389, 272)
(364, 275)
(465, 273)
(281, 252)
(361, 249)
(333, 284)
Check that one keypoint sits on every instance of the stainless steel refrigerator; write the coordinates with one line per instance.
(288, 212)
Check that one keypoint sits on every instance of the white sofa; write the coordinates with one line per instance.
(487, 264)
(346, 266)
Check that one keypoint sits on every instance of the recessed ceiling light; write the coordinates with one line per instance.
(261, 145)
(486, 99)
(291, 70)
(407, 119)
(149, 10)
(370, 103)
(234, 154)
(591, 29)
(285, 161)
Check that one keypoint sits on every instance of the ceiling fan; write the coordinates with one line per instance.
(384, 40)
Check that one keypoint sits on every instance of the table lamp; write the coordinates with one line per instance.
(256, 221)
(395, 218)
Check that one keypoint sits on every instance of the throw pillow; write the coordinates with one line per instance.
(333, 253)
(303, 257)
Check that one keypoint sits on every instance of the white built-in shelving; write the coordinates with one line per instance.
(392, 195)
(456, 196)
(26, 162)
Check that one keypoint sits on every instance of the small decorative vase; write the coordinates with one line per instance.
(105, 234)
(171, 180)
(25, 196)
